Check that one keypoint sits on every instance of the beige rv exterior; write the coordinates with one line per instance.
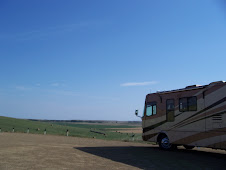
(192, 116)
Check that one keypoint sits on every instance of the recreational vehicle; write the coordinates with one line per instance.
(191, 116)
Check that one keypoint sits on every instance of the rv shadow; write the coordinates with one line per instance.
(153, 157)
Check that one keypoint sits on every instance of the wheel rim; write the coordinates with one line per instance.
(165, 143)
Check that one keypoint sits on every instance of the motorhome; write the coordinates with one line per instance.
(191, 116)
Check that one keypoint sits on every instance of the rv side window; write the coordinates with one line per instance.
(154, 109)
(183, 104)
(150, 109)
(188, 104)
(192, 103)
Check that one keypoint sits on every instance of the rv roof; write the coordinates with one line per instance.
(192, 87)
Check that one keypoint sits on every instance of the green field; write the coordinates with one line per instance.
(75, 129)
(95, 126)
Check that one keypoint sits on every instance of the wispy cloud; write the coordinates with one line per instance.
(23, 88)
(55, 84)
(104, 98)
(64, 93)
(139, 83)
(43, 32)
(50, 31)
(58, 84)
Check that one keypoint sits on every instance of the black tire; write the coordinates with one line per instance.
(165, 144)
(188, 147)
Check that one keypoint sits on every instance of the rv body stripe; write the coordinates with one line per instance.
(209, 141)
(221, 113)
(146, 137)
(209, 113)
(153, 126)
(219, 144)
(160, 123)
(201, 136)
(205, 109)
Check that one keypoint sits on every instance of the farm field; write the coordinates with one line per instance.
(35, 151)
(106, 131)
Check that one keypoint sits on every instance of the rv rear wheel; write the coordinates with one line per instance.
(188, 147)
(165, 144)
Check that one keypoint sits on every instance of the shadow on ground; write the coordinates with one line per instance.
(153, 157)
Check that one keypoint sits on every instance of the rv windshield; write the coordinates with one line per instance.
(149, 110)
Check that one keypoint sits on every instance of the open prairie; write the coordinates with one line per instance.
(35, 151)
(99, 130)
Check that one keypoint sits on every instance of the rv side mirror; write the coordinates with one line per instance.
(136, 112)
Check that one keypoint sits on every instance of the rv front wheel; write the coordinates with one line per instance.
(165, 144)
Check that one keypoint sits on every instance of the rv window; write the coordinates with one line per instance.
(170, 104)
(192, 103)
(151, 109)
(183, 105)
(188, 104)
(154, 109)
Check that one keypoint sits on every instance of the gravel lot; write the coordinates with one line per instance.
(29, 151)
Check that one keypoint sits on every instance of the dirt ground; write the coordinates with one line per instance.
(29, 151)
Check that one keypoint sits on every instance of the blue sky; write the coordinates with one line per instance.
(96, 60)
